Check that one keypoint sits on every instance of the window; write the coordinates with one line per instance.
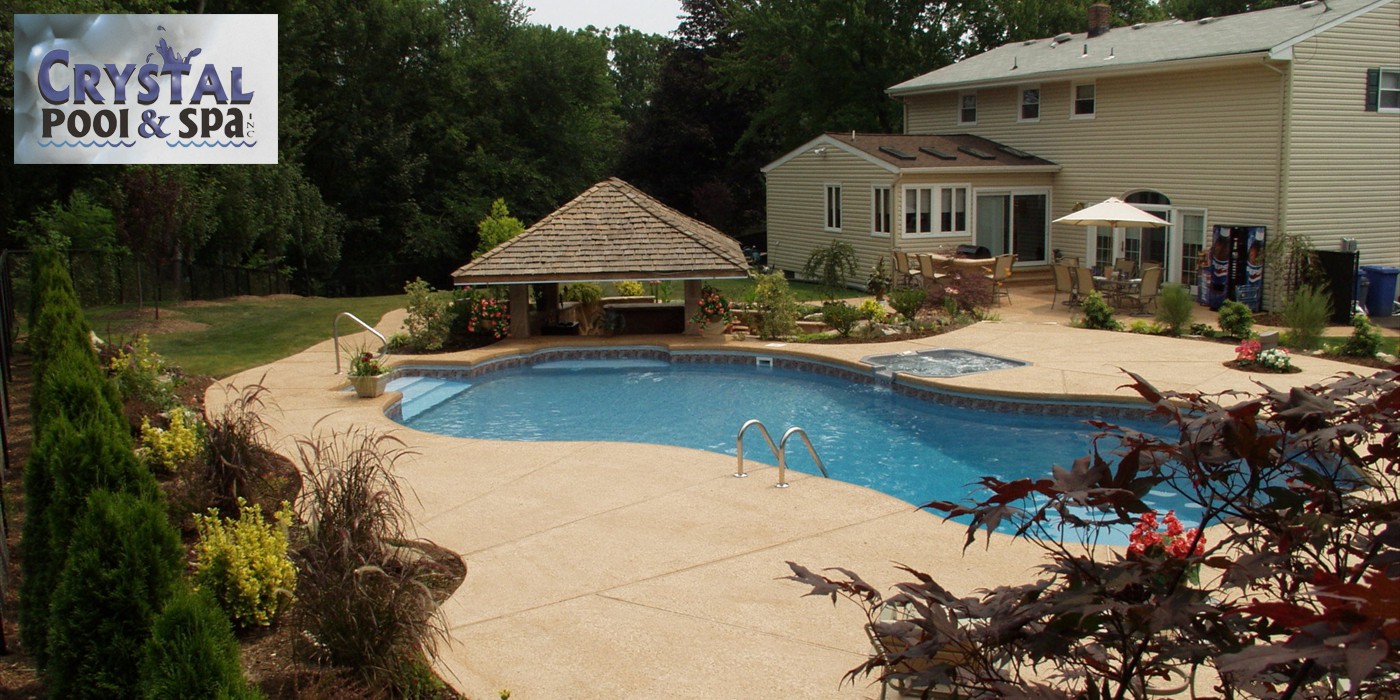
(932, 211)
(1083, 104)
(967, 108)
(880, 210)
(833, 207)
(952, 210)
(1030, 104)
(1383, 90)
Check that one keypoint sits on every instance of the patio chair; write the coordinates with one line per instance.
(1001, 271)
(1070, 262)
(934, 267)
(1124, 267)
(906, 271)
(1084, 281)
(1064, 283)
(1147, 289)
(888, 645)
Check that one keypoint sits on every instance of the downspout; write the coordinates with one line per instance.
(1285, 148)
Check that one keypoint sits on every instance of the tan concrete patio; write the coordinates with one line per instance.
(639, 571)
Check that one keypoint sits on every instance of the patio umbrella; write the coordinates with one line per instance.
(1113, 212)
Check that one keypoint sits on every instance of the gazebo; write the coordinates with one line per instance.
(611, 232)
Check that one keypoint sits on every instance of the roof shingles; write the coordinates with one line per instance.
(612, 231)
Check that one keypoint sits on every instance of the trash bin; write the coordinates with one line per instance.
(1381, 299)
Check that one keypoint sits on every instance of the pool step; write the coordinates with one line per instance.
(422, 394)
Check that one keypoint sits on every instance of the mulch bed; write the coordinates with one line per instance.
(1257, 368)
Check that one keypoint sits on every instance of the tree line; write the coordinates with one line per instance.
(401, 121)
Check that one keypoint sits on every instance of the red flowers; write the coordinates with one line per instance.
(713, 307)
(1176, 542)
(488, 316)
(1247, 350)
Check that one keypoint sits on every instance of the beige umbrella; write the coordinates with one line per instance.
(1113, 212)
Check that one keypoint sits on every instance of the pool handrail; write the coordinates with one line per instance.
(335, 335)
(779, 450)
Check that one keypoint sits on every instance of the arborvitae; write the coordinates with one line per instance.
(36, 552)
(97, 455)
(124, 560)
(75, 386)
(192, 652)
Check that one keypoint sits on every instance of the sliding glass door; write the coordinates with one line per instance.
(1014, 222)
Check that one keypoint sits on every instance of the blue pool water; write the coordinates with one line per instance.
(914, 449)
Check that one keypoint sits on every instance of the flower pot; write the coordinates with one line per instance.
(371, 386)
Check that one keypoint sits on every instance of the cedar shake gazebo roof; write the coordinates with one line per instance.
(612, 231)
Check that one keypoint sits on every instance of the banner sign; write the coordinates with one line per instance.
(110, 89)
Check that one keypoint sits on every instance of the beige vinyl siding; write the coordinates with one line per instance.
(1208, 138)
(1343, 176)
(796, 209)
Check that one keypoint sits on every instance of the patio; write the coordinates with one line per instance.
(641, 571)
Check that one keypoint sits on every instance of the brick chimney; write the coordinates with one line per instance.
(1099, 14)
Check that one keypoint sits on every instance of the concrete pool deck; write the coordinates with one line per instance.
(640, 571)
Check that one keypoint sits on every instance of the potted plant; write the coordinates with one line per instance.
(879, 282)
(714, 309)
(368, 374)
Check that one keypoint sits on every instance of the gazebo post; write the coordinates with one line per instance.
(549, 301)
(692, 306)
(519, 311)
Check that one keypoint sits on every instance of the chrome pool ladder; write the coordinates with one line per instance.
(779, 450)
(335, 335)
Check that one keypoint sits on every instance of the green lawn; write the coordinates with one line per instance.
(806, 292)
(246, 333)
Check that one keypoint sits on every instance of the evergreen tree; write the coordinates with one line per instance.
(192, 652)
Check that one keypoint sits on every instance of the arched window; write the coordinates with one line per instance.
(1148, 197)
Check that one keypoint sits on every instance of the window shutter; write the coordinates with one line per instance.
(1373, 89)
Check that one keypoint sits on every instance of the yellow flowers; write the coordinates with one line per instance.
(244, 563)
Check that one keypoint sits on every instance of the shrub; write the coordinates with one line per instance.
(963, 293)
(171, 449)
(244, 563)
(832, 266)
(484, 316)
(37, 557)
(1204, 330)
(73, 386)
(879, 281)
(142, 375)
(1365, 340)
(192, 652)
(362, 606)
(840, 316)
(123, 562)
(1142, 327)
(1098, 314)
(590, 304)
(1306, 316)
(629, 288)
(907, 301)
(426, 320)
(873, 311)
(663, 290)
(92, 453)
(236, 444)
(776, 306)
(1174, 305)
(1236, 320)
(1297, 559)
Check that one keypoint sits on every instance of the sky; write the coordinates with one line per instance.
(650, 16)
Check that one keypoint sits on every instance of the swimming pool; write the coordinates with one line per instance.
(886, 437)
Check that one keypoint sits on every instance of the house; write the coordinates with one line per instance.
(1287, 118)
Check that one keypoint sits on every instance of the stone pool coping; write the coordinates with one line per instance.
(644, 571)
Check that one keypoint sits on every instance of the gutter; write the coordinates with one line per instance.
(1080, 72)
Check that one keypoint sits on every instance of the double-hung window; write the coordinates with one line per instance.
(967, 108)
(935, 210)
(833, 207)
(880, 211)
(1030, 104)
(1082, 103)
(1383, 90)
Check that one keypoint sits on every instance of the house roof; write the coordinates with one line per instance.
(923, 152)
(1142, 46)
(612, 231)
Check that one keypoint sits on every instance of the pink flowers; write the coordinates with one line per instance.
(1247, 350)
(1177, 542)
(712, 307)
(488, 316)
